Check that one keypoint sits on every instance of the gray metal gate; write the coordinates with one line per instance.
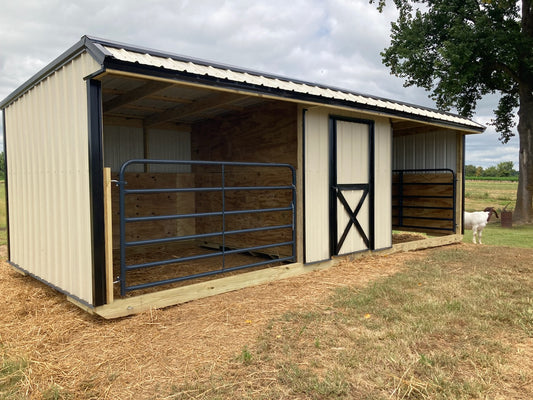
(224, 189)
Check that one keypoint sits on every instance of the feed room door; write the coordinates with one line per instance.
(351, 185)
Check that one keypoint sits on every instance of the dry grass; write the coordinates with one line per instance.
(336, 333)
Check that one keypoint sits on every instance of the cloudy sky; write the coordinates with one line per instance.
(334, 42)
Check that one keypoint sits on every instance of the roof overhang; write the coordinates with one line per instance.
(139, 61)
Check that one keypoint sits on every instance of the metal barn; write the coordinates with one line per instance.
(138, 178)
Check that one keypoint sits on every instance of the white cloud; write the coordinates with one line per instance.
(335, 42)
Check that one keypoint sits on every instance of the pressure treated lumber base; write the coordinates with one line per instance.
(165, 298)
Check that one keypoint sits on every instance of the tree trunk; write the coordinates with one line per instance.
(523, 208)
(523, 212)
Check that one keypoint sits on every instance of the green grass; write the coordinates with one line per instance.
(493, 178)
(12, 375)
(446, 328)
(481, 194)
(495, 235)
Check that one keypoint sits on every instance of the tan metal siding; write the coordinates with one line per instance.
(49, 199)
(383, 184)
(122, 143)
(169, 145)
(316, 155)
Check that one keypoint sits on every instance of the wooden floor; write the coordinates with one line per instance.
(182, 292)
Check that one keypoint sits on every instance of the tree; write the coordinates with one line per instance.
(470, 170)
(490, 171)
(504, 169)
(462, 50)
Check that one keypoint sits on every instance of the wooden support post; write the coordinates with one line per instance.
(108, 214)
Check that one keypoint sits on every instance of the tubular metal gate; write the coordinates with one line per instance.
(222, 235)
(424, 203)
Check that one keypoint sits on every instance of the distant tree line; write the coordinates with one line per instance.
(502, 170)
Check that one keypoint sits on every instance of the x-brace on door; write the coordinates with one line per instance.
(351, 185)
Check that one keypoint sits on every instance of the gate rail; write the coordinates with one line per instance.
(124, 244)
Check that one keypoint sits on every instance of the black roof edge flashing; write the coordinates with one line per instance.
(96, 51)
(161, 72)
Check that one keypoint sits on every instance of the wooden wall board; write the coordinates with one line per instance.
(154, 205)
(262, 134)
(431, 195)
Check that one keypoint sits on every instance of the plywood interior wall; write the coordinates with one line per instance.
(263, 134)
(266, 134)
(147, 205)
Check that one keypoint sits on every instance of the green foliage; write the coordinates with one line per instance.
(461, 50)
(502, 170)
(245, 357)
(3, 220)
(492, 178)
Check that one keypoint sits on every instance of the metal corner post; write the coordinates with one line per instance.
(94, 93)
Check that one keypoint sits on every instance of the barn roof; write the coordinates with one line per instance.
(123, 57)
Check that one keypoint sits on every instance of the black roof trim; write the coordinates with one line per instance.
(65, 57)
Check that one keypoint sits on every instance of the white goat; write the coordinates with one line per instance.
(477, 221)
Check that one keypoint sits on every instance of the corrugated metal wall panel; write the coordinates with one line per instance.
(426, 151)
(169, 145)
(383, 184)
(123, 143)
(49, 199)
(316, 155)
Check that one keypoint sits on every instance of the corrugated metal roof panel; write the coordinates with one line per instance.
(107, 49)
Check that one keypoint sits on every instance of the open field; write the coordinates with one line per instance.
(481, 194)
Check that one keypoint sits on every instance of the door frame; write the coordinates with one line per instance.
(333, 184)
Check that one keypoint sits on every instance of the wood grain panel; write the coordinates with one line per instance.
(143, 205)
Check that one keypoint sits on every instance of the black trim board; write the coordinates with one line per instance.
(96, 190)
(333, 204)
(304, 255)
(209, 81)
